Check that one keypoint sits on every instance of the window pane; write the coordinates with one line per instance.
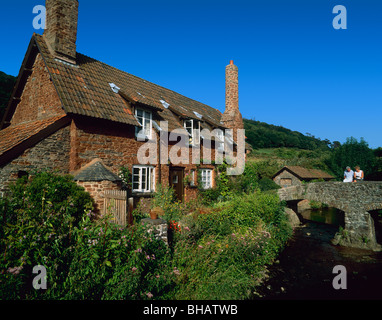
(147, 127)
(136, 178)
(143, 178)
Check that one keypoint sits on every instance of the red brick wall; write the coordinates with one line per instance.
(39, 99)
(116, 146)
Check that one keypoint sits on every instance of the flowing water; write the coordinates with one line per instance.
(304, 270)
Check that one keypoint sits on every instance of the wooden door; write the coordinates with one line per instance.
(176, 182)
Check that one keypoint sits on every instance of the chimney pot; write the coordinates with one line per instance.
(231, 62)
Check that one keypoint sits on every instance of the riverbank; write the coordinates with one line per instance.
(304, 268)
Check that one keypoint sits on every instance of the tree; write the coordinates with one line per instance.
(335, 144)
(352, 153)
(6, 84)
(378, 152)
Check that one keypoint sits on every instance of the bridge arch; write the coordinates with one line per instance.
(354, 199)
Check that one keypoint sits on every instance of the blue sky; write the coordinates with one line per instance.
(295, 69)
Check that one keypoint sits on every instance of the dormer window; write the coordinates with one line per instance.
(145, 119)
(193, 129)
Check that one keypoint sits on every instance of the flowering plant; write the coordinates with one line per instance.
(125, 175)
(173, 225)
(187, 178)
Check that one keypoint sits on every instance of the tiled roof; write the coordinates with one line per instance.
(95, 171)
(14, 135)
(305, 173)
(84, 89)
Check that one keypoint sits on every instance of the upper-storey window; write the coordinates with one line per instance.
(145, 119)
(193, 128)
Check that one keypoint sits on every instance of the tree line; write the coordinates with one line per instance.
(263, 135)
(6, 85)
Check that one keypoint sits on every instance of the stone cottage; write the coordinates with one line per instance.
(295, 175)
(69, 112)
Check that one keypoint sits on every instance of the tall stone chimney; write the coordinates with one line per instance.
(61, 27)
(232, 117)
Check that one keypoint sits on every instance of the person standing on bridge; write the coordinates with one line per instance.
(348, 175)
(358, 174)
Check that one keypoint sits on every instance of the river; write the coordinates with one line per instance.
(304, 270)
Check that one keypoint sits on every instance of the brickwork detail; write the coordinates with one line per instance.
(61, 22)
(232, 117)
(39, 99)
(96, 189)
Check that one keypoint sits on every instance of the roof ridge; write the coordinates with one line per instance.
(75, 98)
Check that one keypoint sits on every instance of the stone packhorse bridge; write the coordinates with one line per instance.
(354, 199)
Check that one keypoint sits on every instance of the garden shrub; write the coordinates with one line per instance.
(220, 253)
(115, 263)
(224, 254)
(84, 258)
(36, 228)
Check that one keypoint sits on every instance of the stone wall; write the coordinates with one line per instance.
(52, 154)
(344, 196)
(286, 175)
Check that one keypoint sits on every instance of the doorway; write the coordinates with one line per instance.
(176, 182)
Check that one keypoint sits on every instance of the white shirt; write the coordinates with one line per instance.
(358, 175)
(348, 176)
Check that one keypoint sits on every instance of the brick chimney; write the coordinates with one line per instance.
(61, 27)
(232, 118)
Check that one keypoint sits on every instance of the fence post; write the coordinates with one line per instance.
(130, 208)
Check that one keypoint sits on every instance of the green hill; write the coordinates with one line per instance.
(6, 85)
(262, 135)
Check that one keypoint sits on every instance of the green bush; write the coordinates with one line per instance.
(36, 228)
(220, 254)
(85, 258)
(114, 263)
(267, 184)
(223, 254)
(165, 198)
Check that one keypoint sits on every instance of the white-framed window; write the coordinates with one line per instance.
(143, 179)
(145, 119)
(193, 128)
(206, 178)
